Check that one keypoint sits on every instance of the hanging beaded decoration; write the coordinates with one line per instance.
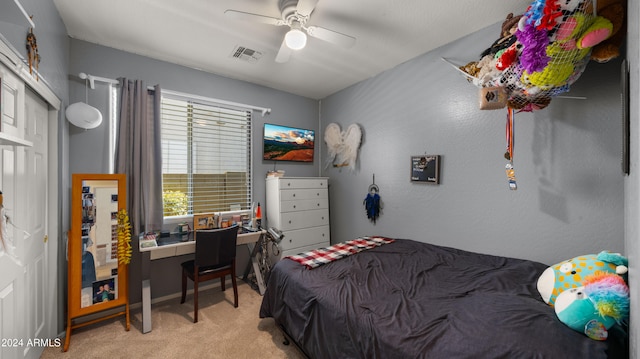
(511, 175)
(32, 52)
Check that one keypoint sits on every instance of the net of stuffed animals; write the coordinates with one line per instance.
(539, 54)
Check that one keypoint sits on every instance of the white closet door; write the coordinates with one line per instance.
(39, 287)
(12, 263)
(26, 286)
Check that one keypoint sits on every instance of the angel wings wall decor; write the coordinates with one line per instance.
(343, 145)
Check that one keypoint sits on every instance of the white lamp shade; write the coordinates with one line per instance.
(83, 115)
(295, 39)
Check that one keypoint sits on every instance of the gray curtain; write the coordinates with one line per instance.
(138, 154)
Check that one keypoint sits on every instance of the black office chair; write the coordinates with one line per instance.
(215, 257)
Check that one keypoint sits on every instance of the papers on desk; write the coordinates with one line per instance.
(148, 240)
(249, 229)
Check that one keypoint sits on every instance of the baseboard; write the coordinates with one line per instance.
(176, 295)
(138, 305)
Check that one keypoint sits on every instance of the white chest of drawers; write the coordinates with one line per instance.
(299, 207)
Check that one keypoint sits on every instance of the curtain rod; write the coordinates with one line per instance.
(264, 110)
(92, 79)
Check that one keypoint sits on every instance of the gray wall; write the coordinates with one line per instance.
(87, 148)
(632, 183)
(51, 35)
(567, 162)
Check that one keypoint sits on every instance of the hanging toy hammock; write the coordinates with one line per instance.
(372, 203)
(540, 54)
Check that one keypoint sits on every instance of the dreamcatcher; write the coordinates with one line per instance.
(372, 202)
(539, 54)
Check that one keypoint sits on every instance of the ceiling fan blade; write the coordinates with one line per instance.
(284, 53)
(246, 16)
(305, 7)
(331, 36)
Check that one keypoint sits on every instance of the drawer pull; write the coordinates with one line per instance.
(318, 194)
(289, 221)
(322, 217)
(294, 206)
(318, 204)
(294, 195)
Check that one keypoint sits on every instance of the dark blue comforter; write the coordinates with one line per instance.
(411, 299)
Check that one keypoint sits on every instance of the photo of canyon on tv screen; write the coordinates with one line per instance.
(285, 143)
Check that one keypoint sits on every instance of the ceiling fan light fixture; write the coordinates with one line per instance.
(295, 39)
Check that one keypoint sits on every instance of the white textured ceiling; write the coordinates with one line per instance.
(198, 34)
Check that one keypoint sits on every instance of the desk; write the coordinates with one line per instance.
(180, 244)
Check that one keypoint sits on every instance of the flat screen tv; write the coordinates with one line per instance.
(285, 143)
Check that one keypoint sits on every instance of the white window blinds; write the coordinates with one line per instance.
(206, 156)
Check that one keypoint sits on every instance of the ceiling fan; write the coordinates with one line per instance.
(295, 14)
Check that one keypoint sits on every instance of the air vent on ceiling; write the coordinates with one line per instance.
(245, 54)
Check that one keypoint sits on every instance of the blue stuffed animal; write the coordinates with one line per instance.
(596, 306)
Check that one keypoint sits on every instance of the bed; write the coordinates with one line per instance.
(410, 299)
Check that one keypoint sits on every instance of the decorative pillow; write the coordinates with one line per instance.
(572, 272)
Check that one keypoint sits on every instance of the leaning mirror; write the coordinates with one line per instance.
(97, 280)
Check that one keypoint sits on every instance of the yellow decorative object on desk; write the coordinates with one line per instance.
(124, 237)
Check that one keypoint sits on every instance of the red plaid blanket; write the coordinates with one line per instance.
(320, 256)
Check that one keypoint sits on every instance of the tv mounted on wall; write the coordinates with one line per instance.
(286, 143)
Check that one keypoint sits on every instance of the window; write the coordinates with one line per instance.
(206, 156)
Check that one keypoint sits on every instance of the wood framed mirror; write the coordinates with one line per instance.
(97, 281)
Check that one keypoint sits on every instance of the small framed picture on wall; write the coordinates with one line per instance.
(425, 169)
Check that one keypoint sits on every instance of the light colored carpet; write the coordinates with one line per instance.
(222, 331)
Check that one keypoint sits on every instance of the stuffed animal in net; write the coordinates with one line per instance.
(594, 307)
(609, 49)
(571, 273)
(547, 52)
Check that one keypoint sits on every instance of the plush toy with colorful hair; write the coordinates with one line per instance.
(593, 308)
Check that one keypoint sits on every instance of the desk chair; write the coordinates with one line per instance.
(215, 257)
